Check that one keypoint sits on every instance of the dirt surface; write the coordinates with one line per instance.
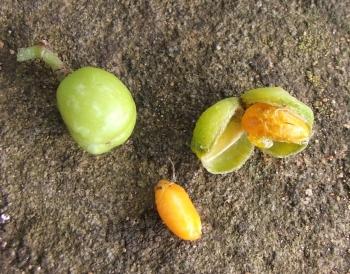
(64, 211)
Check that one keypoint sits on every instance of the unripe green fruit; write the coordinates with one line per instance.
(97, 109)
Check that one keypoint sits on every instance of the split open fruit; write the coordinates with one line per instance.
(269, 118)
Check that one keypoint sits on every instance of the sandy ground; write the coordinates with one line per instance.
(64, 211)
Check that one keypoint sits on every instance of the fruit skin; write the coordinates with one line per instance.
(211, 124)
(218, 138)
(276, 96)
(97, 109)
(177, 211)
(232, 158)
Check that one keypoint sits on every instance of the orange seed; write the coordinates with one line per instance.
(177, 211)
(265, 123)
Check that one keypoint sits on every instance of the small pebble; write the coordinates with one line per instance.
(308, 192)
(3, 245)
(306, 201)
(142, 183)
(4, 218)
(12, 52)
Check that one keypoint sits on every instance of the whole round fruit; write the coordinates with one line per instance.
(97, 109)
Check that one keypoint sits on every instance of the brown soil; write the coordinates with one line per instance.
(70, 212)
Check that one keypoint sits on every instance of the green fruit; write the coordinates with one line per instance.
(277, 96)
(97, 109)
(218, 138)
(95, 105)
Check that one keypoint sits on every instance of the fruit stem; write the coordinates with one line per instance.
(41, 51)
(173, 177)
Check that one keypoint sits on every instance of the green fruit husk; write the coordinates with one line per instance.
(232, 158)
(212, 124)
(218, 138)
(282, 150)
